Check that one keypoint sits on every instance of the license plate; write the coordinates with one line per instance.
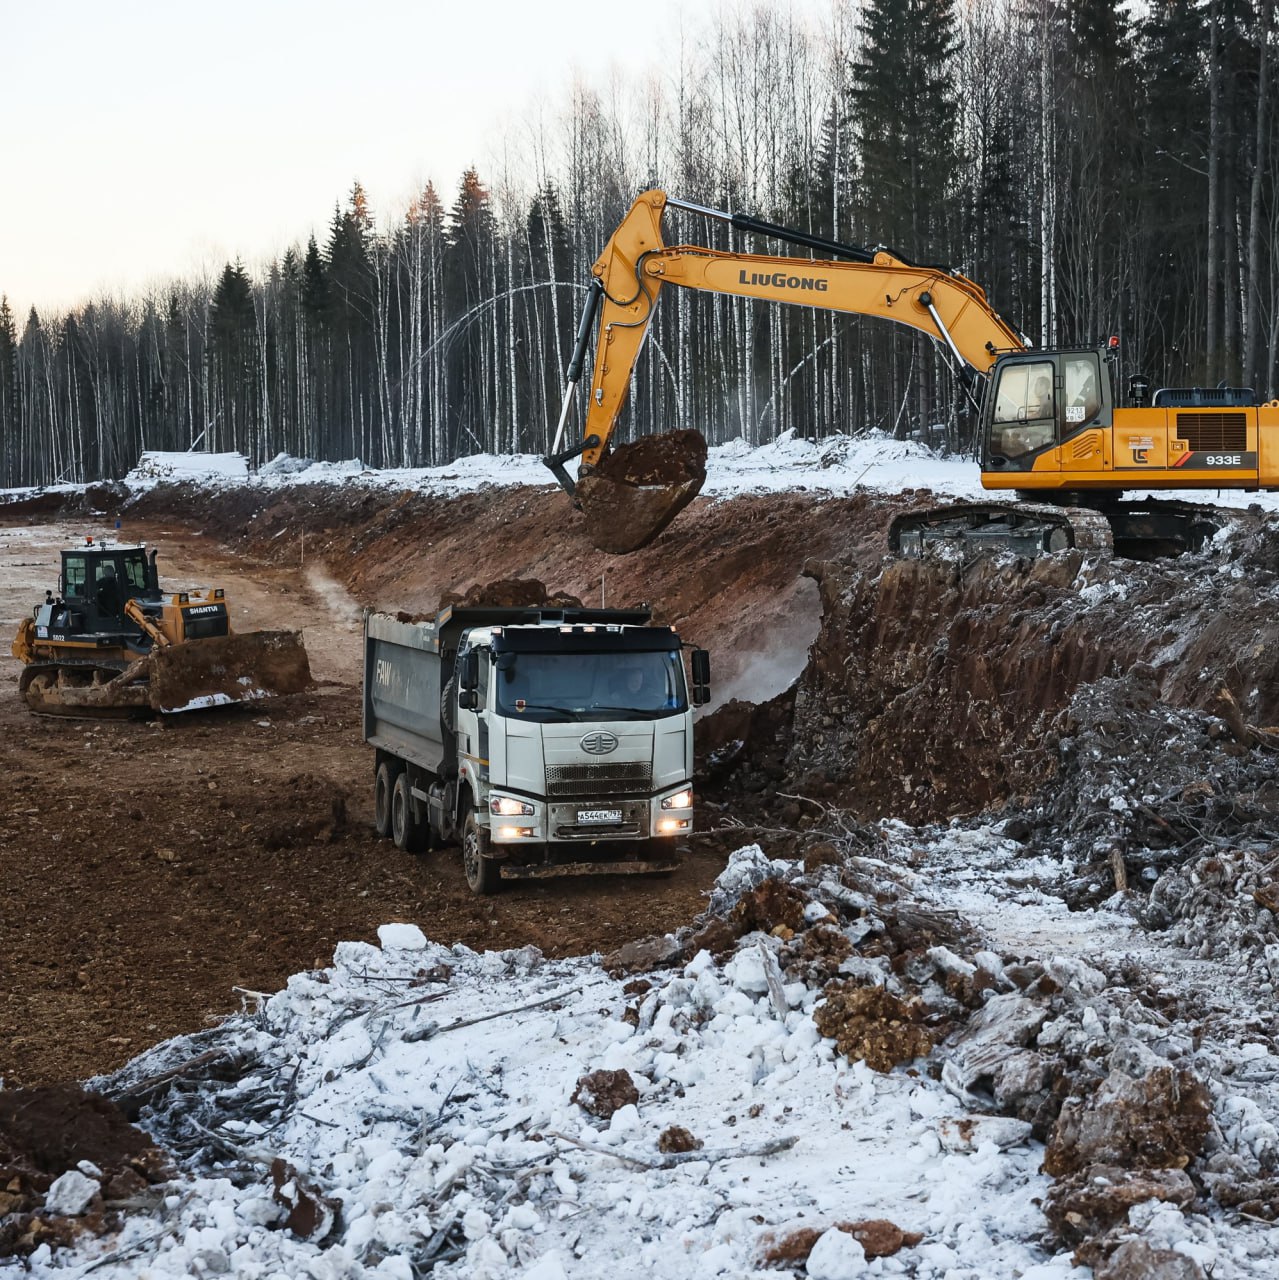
(599, 815)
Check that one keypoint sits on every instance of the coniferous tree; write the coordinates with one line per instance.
(10, 414)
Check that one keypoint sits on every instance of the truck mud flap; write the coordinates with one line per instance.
(546, 871)
(228, 669)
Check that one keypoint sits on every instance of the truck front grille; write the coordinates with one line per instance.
(599, 779)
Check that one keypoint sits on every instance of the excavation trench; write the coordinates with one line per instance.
(151, 870)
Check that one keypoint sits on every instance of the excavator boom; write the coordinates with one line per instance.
(627, 502)
(635, 264)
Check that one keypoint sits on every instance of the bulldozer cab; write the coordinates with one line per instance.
(1036, 400)
(98, 581)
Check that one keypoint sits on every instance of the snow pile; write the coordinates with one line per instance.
(415, 1105)
(156, 466)
(837, 465)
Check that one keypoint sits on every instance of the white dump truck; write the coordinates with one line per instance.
(546, 741)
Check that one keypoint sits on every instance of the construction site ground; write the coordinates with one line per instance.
(1012, 821)
(152, 868)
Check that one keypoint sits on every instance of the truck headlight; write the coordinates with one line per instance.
(680, 800)
(510, 807)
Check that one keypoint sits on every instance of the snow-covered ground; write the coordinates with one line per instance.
(423, 1088)
(834, 466)
(423, 1099)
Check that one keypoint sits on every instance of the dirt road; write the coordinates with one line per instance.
(149, 869)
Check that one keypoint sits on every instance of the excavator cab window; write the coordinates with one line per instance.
(1025, 418)
(1081, 397)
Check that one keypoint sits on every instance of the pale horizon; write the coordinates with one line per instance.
(157, 146)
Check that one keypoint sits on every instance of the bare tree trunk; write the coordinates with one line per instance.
(1253, 344)
(1213, 301)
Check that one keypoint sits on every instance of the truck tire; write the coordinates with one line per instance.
(408, 833)
(383, 785)
(482, 872)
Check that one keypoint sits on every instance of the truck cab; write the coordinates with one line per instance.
(562, 741)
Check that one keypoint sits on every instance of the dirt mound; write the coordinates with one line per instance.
(65, 1157)
(639, 488)
(872, 1025)
(237, 668)
(509, 593)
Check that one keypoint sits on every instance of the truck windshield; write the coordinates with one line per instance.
(590, 686)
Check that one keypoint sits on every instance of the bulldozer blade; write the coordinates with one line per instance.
(637, 490)
(228, 669)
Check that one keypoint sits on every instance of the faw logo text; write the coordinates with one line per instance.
(780, 280)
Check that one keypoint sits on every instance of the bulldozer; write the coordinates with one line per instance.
(111, 643)
(1054, 430)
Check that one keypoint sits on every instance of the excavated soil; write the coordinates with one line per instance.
(639, 488)
(152, 869)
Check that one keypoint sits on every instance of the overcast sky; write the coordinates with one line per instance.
(147, 139)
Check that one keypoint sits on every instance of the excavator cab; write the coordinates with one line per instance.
(1038, 401)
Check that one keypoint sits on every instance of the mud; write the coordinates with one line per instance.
(639, 488)
(194, 860)
(509, 593)
(247, 667)
(47, 1132)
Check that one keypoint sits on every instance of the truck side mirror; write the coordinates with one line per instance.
(701, 677)
(469, 675)
(701, 667)
(468, 699)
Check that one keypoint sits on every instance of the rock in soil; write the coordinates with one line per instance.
(1156, 1120)
(603, 1092)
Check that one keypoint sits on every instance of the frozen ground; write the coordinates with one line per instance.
(422, 1098)
(836, 465)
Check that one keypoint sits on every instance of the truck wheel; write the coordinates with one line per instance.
(482, 872)
(383, 785)
(408, 833)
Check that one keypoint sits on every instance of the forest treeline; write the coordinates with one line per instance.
(1096, 170)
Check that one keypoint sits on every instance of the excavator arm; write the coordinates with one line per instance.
(635, 265)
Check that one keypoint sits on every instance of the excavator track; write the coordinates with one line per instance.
(976, 528)
(1150, 530)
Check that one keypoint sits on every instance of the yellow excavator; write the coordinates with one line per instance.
(1051, 423)
(112, 643)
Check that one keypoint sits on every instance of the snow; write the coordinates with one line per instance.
(422, 1099)
(159, 467)
(830, 467)
(430, 1086)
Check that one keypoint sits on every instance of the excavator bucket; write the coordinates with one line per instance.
(227, 669)
(638, 489)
